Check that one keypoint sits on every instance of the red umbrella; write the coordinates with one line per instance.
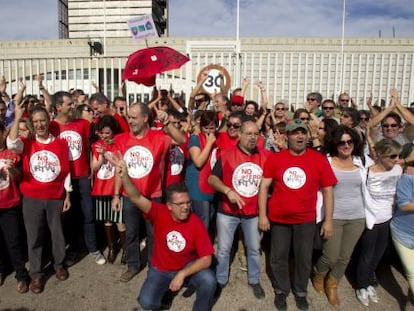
(143, 65)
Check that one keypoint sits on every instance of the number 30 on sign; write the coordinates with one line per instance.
(212, 84)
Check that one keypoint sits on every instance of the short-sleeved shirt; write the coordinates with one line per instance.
(176, 244)
(296, 181)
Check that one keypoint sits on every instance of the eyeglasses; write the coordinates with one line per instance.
(280, 109)
(304, 119)
(342, 143)
(181, 204)
(390, 125)
(328, 108)
(233, 125)
(311, 99)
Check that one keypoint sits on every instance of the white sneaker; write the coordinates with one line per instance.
(362, 295)
(99, 258)
(372, 294)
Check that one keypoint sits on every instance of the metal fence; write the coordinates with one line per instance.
(286, 75)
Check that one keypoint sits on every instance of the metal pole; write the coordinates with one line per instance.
(104, 35)
(238, 20)
(342, 46)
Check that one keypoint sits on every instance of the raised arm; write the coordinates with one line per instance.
(45, 93)
(122, 172)
(200, 157)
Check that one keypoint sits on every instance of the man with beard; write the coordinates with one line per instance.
(296, 173)
(144, 151)
(236, 175)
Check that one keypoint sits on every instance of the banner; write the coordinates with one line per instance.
(142, 27)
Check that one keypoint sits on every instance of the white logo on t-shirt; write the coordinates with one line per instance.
(139, 161)
(294, 177)
(176, 160)
(106, 171)
(74, 141)
(246, 179)
(4, 178)
(175, 241)
(44, 166)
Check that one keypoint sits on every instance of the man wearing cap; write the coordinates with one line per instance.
(237, 103)
(296, 173)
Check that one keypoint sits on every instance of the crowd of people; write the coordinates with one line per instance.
(192, 181)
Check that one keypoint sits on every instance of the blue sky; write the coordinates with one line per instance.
(30, 19)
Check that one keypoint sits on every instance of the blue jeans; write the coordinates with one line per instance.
(204, 210)
(226, 226)
(157, 283)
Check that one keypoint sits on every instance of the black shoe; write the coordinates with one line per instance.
(280, 302)
(190, 290)
(302, 303)
(257, 291)
(217, 293)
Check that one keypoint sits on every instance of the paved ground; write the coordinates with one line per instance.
(91, 287)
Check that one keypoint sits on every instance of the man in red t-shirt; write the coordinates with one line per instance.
(296, 173)
(182, 248)
(144, 151)
(236, 175)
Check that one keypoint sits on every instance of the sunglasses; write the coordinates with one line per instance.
(311, 99)
(344, 100)
(280, 109)
(87, 109)
(233, 125)
(199, 101)
(328, 108)
(394, 156)
(389, 125)
(345, 142)
(363, 119)
(304, 119)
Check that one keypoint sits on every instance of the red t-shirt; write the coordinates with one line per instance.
(296, 181)
(104, 177)
(175, 163)
(242, 172)
(76, 134)
(9, 193)
(176, 244)
(145, 158)
(44, 169)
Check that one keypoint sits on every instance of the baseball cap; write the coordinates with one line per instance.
(296, 124)
(237, 100)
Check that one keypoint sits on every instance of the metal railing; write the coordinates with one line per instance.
(287, 75)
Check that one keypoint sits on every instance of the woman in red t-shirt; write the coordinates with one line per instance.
(103, 185)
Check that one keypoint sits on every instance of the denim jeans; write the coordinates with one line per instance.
(132, 218)
(204, 210)
(157, 283)
(226, 226)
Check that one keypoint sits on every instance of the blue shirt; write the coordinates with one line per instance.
(402, 224)
(192, 176)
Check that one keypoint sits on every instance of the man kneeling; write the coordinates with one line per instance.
(182, 248)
